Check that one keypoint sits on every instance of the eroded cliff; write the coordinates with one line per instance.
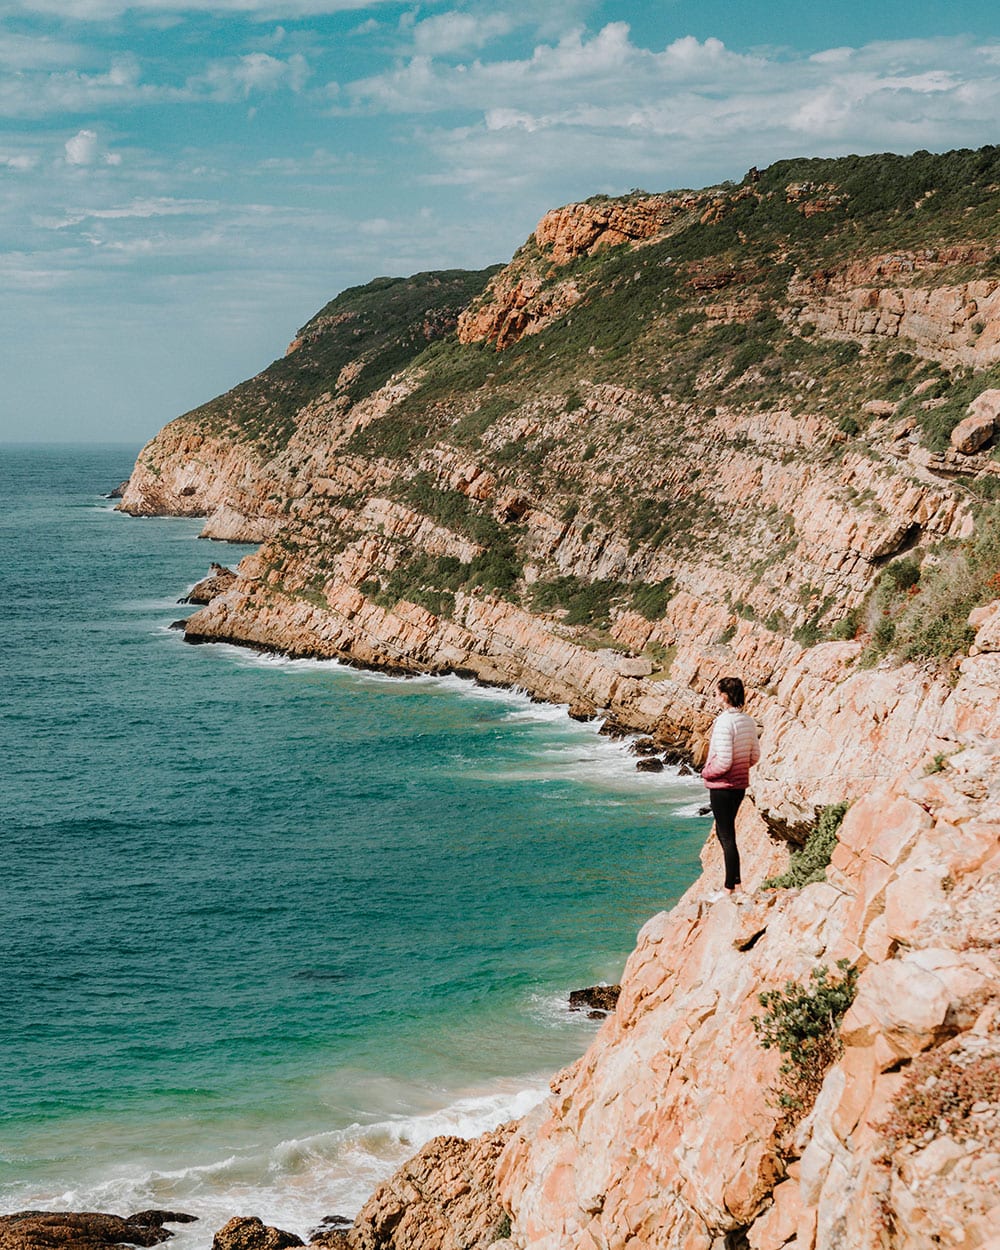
(749, 429)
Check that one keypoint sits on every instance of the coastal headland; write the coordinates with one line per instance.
(747, 429)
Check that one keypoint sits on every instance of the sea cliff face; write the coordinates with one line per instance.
(745, 430)
(666, 1133)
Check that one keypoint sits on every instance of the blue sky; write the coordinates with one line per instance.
(185, 182)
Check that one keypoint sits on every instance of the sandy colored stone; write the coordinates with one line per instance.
(444, 1198)
(973, 433)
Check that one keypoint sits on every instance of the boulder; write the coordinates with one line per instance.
(879, 408)
(87, 1230)
(596, 998)
(218, 581)
(650, 764)
(643, 746)
(247, 1232)
(976, 429)
(444, 1198)
(986, 404)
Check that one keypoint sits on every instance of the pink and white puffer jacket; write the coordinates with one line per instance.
(732, 751)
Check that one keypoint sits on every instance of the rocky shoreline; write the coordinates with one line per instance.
(677, 436)
(677, 1078)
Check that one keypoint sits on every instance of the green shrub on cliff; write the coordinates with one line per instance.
(803, 1022)
(585, 603)
(809, 862)
(651, 598)
(378, 328)
(923, 609)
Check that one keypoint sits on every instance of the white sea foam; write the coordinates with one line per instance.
(553, 1011)
(291, 1183)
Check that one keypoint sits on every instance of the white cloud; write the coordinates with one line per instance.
(601, 109)
(83, 151)
(73, 91)
(28, 52)
(82, 148)
(21, 162)
(243, 76)
(143, 209)
(121, 85)
(445, 33)
(606, 66)
(511, 119)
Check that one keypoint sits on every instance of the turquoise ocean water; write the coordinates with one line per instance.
(267, 926)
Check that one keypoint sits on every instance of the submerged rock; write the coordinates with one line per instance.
(156, 1219)
(331, 1232)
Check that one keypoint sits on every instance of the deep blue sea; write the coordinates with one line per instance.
(267, 926)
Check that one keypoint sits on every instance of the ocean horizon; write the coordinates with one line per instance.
(272, 924)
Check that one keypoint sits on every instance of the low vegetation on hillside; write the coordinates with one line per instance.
(658, 413)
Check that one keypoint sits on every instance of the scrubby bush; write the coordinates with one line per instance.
(651, 598)
(847, 627)
(924, 610)
(803, 1022)
(848, 425)
(585, 603)
(809, 862)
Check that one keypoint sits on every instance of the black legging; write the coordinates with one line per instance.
(725, 805)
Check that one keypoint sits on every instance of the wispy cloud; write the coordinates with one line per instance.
(26, 52)
(241, 77)
(123, 85)
(73, 91)
(101, 10)
(447, 33)
(614, 110)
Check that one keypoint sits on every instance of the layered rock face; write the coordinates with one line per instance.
(669, 1131)
(678, 436)
(666, 1132)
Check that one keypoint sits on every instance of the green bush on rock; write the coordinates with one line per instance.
(809, 862)
(803, 1022)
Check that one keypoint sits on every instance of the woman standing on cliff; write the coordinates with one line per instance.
(732, 752)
